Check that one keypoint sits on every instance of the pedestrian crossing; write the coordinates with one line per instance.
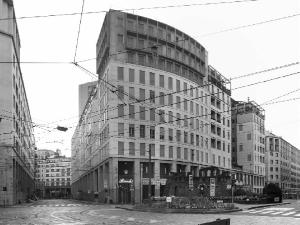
(291, 212)
(60, 205)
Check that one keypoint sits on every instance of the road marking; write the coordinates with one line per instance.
(113, 217)
(297, 214)
(276, 213)
(289, 213)
(154, 221)
(130, 219)
(266, 212)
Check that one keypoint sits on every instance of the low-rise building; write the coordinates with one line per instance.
(52, 174)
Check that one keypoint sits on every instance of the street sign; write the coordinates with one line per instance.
(212, 187)
(169, 199)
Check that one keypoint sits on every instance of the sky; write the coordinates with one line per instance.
(52, 89)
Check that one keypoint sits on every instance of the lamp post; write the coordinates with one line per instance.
(150, 173)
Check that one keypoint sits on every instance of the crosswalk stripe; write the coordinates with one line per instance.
(130, 219)
(297, 214)
(266, 212)
(276, 213)
(289, 213)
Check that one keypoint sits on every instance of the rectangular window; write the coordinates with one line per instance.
(121, 129)
(131, 93)
(131, 130)
(162, 151)
(152, 132)
(170, 98)
(185, 137)
(185, 88)
(142, 113)
(206, 157)
(178, 153)
(241, 147)
(170, 134)
(240, 127)
(120, 92)
(120, 73)
(178, 119)
(152, 78)
(142, 77)
(120, 110)
(170, 83)
(162, 81)
(152, 96)
(185, 153)
(131, 112)
(171, 152)
(131, 75)
(192, 91)
(161, 98)
(191, 107)
(162, 133)
(120, 38)
(178, 135)
(142, 94)
(178, 102)
(177, 85)
(131, 148)
(142, 149)
(249, 136)
(161, 115)
(170, 117)
(142, 131)
(120, 148)
(152, 114)
(152, 149)
(185, 104)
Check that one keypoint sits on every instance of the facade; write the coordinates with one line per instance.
(84, 92)
(248, 141)
(17, 142)
(152, 98)
(52, 174)
(282, 165)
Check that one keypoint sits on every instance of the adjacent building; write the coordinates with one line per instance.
(84, 92)
(153, 97)
(17, 142)
(52, 174)
(283, 165)
(248, 142)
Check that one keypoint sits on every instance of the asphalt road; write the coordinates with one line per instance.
(67, 212)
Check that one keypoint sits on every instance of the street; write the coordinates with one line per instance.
(75, 212)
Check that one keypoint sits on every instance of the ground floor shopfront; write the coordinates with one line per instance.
(120, 180)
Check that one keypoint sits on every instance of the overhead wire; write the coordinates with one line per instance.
(78, 33)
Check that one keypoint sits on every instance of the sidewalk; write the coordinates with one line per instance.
(255, 206)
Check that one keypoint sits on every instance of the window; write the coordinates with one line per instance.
(219, 160)
(178, 102)
(142, 94)
(120, 73)
(185, 88)
(152, 114)
(131, 148)
(161, 133)
(120, 110)
(131, 75)
(213, 159)
(141, 44)
(170, 152)
(185, 121)
(162, 151)
(185, 153)
(170, 83)
(178, 119)
(131, 112)
(177, 85)
(192, 139)
(152, 132)
(178, 153)
(152, 149)
(170, 134)
(178, 135)
(197, 140)
(152, 78)
(185, 137)
(142, 131)
(142, 77)
(120, 92)
(121, 129)
(152, 96)
(131, 130)
(161, 98)
(120, 148)
(249, 136)
(240, 127)
(161, 81)
(241, 147)
(191, 91)
(161, 115)
(142, 149)
(191, 107)
(142, 113)
(170, 100)
(131, 93)
(120, 38)
(185, 103)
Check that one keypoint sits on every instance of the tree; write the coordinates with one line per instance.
(272, 189)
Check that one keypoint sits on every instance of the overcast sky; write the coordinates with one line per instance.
(52, 89)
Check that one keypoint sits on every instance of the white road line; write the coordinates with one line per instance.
(276, 213)
(131, 219)
(297, 214)
(154, 221)
(289, 213)
(266, 212)
(113, 217)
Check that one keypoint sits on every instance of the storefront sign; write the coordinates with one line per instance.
(125, 181)
(212, 187)
(169, 199)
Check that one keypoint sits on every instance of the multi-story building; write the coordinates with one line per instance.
(152, 98)
(52, 174)
(248, 142)
(282, 165)
(17, 142)
(84, 92)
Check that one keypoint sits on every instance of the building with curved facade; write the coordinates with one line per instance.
(156, 94)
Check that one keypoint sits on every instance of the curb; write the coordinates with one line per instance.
(262, 206)
(160, 210)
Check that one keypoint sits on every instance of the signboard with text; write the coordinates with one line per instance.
(212, 187)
